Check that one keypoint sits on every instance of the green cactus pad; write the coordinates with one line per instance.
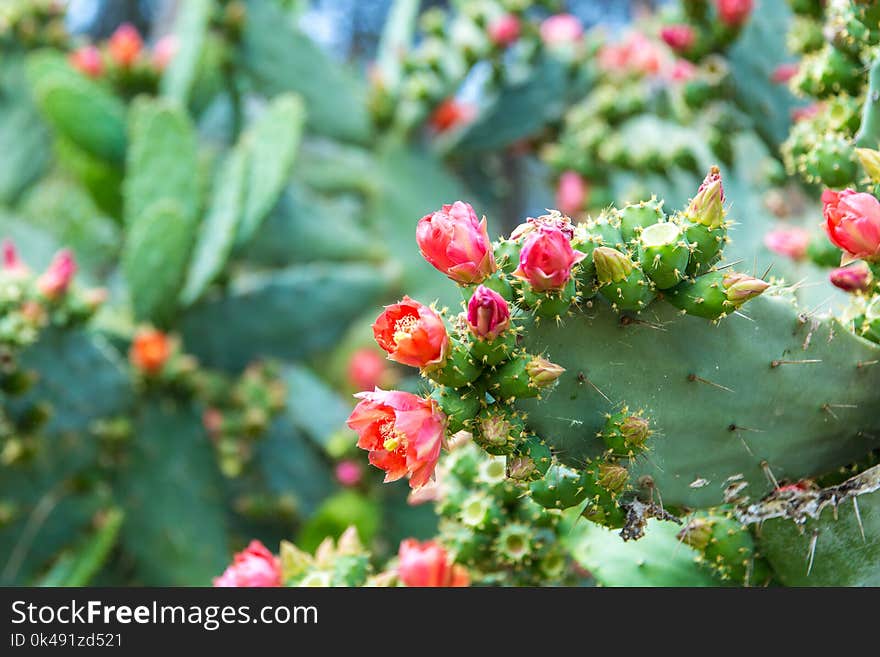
(663, 253)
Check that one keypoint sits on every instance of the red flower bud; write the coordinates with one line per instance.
(13, 265)
(125, 45)
(428, 564)
(402, 432)
(253, 566)
(546, 259)
(150, 350)
(488, 313)
(679, 37)
(504, 30)
(349, 473)
(450, 114)
(852, 221)
(456, 242)
(53, 283)
(412, 334)
(783, 73)
(734, 13)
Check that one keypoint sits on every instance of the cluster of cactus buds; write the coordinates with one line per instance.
(124, 61)
(502, 536)
(35, 24)
(494, 31)
(545, 271)
(673, 74)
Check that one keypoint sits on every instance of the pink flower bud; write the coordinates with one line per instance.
(13, 265)
(852, 221)
(741, 287)
(783, 73)
(733, 13)
(546, 259)
(87, 60)
(456, 243)
(679, 37)
(789, 242)
(349, 473)
(681, 71)
(488, 314)
(428, 564)
(366, 369)
(572, 192)
(164, 51)
(854, 278)
(542, 372)
(561, 29)
(504, 30)
(636, 53)
(53, 283)
(125, 45)
(253, 566)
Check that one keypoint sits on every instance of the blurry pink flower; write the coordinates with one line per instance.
(681, 71)
(125, 45)
(254, 566)
(12, 262)
(734, 13)
(561, 29)
(636, 53)
(783, 73)
(679, 37)
(87, 60)
(349, 473)
(572, 192)
(366, 369)
(803, 113)
(428, 564)
(789, 242)
(164, 51)
(54, 282)
(504, 30)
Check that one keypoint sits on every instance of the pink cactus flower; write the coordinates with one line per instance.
(852, 221)
(412, 334)
(402, 432)
(488, 314)
(457, 243)
(681, 71)
(13, 265)
(428, 564)
(87, 60)
(635, 54)
(349, 473)
(572, 192)
(783, 73)
(679, 37)
(164, 51)
(366, 369)
(254, 566)
(734, 13)
(853, 278)
(561, 30)
(789, 242)
(125, 45)
(504, 30)
(546, 259)
(53, 283)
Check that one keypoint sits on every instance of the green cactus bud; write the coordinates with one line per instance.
(560, 488)
(498, 430)
(465, 545)
(507, 255)
(664, 254)
(459, 369)
(716, 294)
(625, 432)
(613, 477)
(727, 547)
(492, 471)
(707, 207)
(870, 327)
(542, 372)
(479, 510)
(832, 161)
(870, 160)
(459, 406)
(493, 352)
(697, 533)
(635, 217)
(531, 459)
(621, 282)
(514, 542)
(523, 376)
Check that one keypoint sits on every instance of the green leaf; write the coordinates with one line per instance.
(272, 143)
(175, 532)
(162, 160)
(218, 229)
(286, 314)
(337, 514)
(190, 28)
(155, 258)
(78, 108)
(313, 406)
(280, 58)
(396, 39)
(78, 566)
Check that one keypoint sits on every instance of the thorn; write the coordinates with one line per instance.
(866, 363)
(729, 264)
(596, 388)
(738, 313)
(777, 363)
(859, 517)
(769, 474)
(766, 271)
(812, 554)
(694, 377)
